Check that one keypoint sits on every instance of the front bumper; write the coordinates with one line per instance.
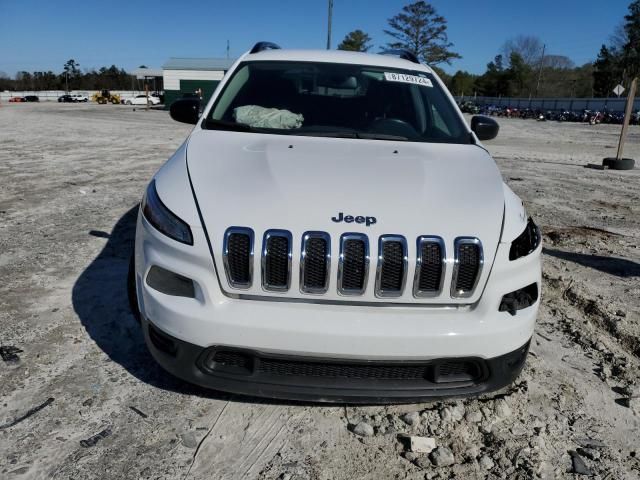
(330, 330)
(255, 373)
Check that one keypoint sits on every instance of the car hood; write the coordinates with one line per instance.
(299, 183)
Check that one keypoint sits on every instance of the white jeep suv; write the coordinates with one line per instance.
(332, 230)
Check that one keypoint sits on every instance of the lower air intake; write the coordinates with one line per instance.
(291, 369)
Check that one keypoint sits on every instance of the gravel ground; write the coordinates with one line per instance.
(80, 397)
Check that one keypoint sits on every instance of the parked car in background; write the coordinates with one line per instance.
(17, 99)
(159, 96)
(66, 98)
(79, 98)
(31, 98)
(141, 100)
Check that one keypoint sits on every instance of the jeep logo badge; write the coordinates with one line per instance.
(368, 221)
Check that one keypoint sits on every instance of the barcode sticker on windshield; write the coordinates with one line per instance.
(401, 77)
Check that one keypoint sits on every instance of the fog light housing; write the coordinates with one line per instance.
(170, 283)
(519, 299)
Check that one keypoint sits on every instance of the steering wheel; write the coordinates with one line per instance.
(393, 126)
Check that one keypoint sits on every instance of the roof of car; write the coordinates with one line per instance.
(338, 56)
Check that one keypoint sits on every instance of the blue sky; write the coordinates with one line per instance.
(42, 35)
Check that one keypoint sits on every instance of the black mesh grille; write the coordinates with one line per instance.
(291, 369)
(354, 264)
(457, 371)
(315, 264)
(277, 262)
(238, 257)
(392, 271)
(468, 266)
(431, 268)
(232, 359)
(336, 370)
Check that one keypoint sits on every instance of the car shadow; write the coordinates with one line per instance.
(619, 267)
(100, 300)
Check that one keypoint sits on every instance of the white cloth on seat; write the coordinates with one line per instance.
(261, 117)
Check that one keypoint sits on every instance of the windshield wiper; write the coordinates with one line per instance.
(243, 127)
(381, 136)
(336, 134)
(231, 126)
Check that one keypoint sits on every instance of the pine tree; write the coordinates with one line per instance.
(419, 29)
(355, 41)
(606, 72)
(630, 61)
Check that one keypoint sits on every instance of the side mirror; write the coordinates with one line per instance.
(186, 110)
(485, 128)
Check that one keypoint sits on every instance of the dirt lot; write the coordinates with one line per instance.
(70, 179)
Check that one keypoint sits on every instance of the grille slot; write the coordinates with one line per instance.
(392, 266)
(353, 267)
(315, 262)
(238, 256)
(276, 260)
(467, 266)
(430, 267)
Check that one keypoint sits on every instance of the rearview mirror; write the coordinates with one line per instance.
(186, 110)
(485, 128)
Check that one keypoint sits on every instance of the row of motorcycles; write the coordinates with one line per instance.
(592, 117)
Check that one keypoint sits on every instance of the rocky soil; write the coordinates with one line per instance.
(80, 397)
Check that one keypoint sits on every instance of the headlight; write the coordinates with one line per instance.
(163, 219)
(526, 243)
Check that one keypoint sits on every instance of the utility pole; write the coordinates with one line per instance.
(540, 69)
(329, 25)
(227, 49)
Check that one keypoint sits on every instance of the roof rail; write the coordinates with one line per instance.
(402, 53)
(261, 46)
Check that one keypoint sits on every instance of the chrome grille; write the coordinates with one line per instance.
(238, 256)
(276, 260)
(430, 267)
(315, 262)
(353, 266)
(467, 266)
(392, 266)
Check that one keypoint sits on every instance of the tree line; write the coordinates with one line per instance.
(522, 68)
(71, 78)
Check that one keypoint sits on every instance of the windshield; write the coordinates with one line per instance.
(336, 100)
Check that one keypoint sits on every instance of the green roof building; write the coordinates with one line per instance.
(190, 75)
